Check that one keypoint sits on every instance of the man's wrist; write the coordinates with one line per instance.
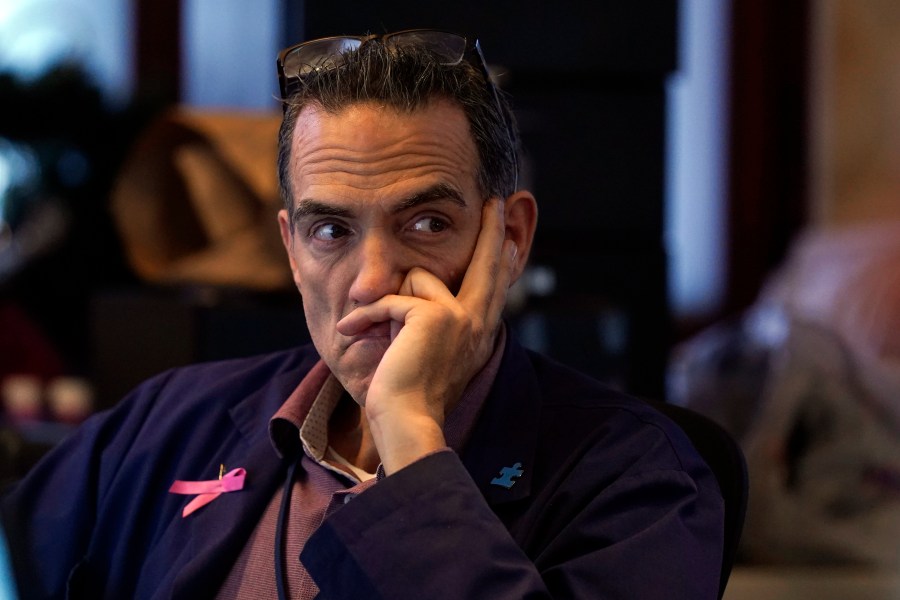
(403, 441)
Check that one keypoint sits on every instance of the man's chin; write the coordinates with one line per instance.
(364, 355)
(358, 390)
(357, 367)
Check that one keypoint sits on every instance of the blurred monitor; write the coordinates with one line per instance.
(7, 582)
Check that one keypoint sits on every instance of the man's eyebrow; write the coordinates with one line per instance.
(442, 191)
(438, 192)
(309, 206)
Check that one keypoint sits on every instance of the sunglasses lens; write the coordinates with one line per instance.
(317, 55)
(449, 47)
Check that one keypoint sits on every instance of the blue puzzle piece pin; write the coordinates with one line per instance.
(507, 474)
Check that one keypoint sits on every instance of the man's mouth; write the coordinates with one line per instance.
(376, 330)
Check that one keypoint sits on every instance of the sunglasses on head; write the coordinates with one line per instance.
(326, 54)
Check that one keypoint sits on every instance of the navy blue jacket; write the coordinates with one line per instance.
(613, 502)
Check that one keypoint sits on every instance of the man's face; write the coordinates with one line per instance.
(376, 193)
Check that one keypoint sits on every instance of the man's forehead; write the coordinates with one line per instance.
(437, 113)
(370, 139)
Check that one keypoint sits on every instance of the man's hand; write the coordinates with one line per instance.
(440, 341)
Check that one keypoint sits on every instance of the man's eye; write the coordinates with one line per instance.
(329, 232)
(429, 225)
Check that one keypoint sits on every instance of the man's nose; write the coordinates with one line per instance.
(380, 269)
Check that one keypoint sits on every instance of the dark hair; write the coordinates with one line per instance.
(406, 79)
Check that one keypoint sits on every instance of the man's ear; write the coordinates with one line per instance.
(520, 213)
(287, 238)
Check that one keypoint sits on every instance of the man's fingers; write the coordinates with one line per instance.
(363, 317)
(388, 308)
(424, 284)
(490, 271)
(504, 277)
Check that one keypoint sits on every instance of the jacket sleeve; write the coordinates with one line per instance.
(427, 532)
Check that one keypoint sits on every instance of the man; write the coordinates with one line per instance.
(419, 451)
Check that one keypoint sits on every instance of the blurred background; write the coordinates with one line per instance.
(719, 186)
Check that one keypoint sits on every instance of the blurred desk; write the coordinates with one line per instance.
(812, 583)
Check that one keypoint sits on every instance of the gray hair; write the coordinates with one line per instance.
(407, 79)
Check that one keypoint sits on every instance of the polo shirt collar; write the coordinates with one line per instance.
(301, 423)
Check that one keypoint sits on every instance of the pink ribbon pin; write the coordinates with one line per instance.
(208, 490)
